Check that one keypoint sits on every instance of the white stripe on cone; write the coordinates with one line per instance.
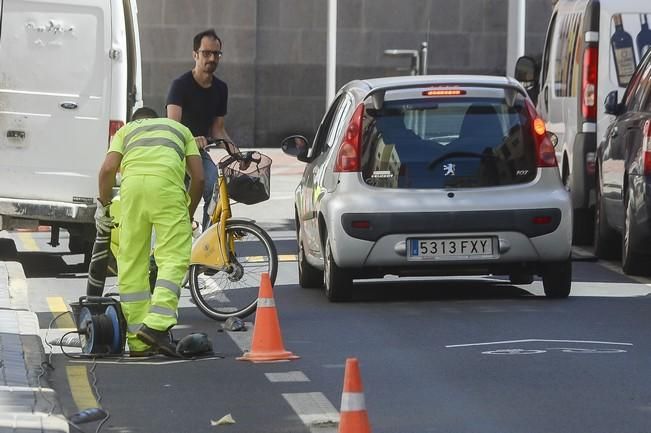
(266, 302)
(352, 401)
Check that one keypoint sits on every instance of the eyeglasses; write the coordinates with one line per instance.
(206, 54)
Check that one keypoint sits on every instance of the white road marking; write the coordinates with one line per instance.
(289, 376)
(537, 340)
(315, 410)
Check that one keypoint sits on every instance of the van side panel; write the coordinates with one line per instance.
(55, 82)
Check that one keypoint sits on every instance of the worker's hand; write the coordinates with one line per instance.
(196, 229)
(103, 222)
(201, 142)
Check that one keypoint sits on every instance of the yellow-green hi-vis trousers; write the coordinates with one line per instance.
(152, 201)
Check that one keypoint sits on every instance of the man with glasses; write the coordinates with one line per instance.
(198, 99)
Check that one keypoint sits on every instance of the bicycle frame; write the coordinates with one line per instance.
(212, 248)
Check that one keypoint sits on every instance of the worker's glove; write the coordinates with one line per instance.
(196, 229)
(103, 222)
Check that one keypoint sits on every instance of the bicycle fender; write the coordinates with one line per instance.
(241, 219)
(206, 249)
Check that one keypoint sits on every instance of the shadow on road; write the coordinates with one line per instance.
(52, 265)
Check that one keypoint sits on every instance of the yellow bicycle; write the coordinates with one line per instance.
(228, 259)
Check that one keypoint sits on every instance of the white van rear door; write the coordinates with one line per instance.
(55, 75)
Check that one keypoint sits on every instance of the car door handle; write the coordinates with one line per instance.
(68, 105)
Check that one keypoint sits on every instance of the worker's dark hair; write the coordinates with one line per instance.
(144, 113)
(210, 33)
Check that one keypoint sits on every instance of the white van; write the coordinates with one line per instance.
(70, 73)
(591, 48)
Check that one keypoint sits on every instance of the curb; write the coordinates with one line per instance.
(26, 403)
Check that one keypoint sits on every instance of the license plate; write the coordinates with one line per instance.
(451, 248)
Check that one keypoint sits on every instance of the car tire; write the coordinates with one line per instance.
(557, 279)
(8, 249)
(309, 277)
(606, 239)
(337, 281)
(633, 263)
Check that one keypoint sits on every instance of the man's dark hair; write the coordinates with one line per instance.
(144, 113)
(210, 33)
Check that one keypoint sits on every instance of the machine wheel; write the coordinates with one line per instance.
(221, 294)
(606, 242)
(337, 281)
(557, 279)
(308, 275)
(633, 263)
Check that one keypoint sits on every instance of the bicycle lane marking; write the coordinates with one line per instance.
(539, 350)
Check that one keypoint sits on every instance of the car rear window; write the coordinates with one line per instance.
(449, 142)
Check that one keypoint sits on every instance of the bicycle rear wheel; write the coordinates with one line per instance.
(221, 294)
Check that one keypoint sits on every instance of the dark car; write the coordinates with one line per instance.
(623, 198)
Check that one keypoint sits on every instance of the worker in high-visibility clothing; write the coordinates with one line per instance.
(153, 155)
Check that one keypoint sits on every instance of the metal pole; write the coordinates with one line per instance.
(331, 56)
(515, 33)
(422, 69)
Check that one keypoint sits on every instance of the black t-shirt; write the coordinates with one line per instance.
(200, 105)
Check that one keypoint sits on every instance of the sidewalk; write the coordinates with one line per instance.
(27, 404)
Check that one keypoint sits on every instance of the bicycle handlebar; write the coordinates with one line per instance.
(245, 157)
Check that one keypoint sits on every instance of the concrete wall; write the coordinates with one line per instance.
(274, 50)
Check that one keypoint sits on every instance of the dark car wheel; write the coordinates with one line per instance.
(606, 239)
(308, 276)
(557, 279)
(633, 263)
(338, 282)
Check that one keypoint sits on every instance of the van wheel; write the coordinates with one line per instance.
(633, 263)
(606, 240)
(583, 228)
(557, 279)
(308, 275)
(8, 249)
(338, 282)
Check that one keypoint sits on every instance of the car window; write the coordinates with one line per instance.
(635, 91)
(645, 102)
(338, 122)
(321, 141)
(463, 142)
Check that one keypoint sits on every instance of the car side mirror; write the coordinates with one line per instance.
(296, 145)
(526, 72)
(553, 138)
(610, 104)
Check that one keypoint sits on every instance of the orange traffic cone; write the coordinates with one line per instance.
(267, 343)
(353, 417)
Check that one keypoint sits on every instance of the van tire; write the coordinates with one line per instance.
(557, 279)
(583, 227)
(8, 249)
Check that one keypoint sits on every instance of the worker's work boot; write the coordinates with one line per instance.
(159, 340)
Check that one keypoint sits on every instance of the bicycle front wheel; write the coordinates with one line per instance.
(234, 292)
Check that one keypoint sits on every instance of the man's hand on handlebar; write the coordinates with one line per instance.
(230, 147)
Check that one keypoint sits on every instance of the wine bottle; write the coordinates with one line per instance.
(623, 52)
(644, 37)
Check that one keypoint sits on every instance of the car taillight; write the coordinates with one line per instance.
(646, 146)
(589, 85)
(349, 155)
(545, 152)
(114, 125)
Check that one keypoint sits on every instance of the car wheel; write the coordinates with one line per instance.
(633, 263)
(8, 249)
(308, 276)
(338, 282)
(606, 239)
(557, 279)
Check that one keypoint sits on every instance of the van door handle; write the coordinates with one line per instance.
(16, 134)
(68, 105)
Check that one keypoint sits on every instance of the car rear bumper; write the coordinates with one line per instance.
(47, 211)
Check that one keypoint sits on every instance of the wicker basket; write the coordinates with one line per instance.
(251, 185)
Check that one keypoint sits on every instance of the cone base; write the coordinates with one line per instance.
(267, 356)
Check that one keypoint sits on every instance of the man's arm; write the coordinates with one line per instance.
(219, 131)
(107, 176)
(194, 168)
(174, 112)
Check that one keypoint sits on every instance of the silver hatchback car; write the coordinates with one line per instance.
(430, 176)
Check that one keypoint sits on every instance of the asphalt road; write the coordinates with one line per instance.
(437, 355)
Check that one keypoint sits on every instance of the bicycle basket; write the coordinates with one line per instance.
(251, 185)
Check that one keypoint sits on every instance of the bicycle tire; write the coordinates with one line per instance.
(220, 294)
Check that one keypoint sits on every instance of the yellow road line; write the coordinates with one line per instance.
(281, 258)
(58, 306)
(28, 241)
(80, 388)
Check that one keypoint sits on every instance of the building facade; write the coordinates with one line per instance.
(275, 50)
